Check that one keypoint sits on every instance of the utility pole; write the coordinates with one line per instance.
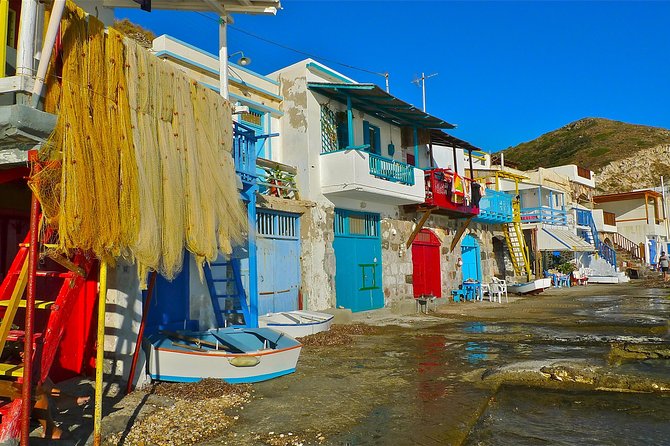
(422, 80)
(665, 213)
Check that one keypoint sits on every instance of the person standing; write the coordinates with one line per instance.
(664, 263)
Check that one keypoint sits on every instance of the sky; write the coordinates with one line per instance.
(507, 71)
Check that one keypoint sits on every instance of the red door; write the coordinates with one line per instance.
(426, 263)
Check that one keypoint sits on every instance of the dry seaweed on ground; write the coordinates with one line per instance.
(338, 335)
(203, 389)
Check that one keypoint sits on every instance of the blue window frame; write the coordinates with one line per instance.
(255, 120)
(372, 137)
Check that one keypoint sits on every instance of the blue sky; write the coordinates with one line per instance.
(507, 71)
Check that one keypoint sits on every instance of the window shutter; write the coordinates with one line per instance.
(366, 132)
(378, 142)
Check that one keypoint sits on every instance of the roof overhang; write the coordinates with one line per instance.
(376, 102)
(221, 7)
(635, 195)
(444, 139)
(549, 239)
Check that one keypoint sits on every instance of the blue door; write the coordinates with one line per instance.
(652, 252)
(170, 303)
(358, 261)
(471, 257)
(278, 248)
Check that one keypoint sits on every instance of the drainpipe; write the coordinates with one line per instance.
(47, 49)
(472, 177)
(665, 215)
(25, 53)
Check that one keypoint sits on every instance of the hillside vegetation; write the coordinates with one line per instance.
(592, 143)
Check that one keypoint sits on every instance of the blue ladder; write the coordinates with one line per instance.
(229, 299)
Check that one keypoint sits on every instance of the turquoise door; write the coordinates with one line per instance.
(471, 257)
(358, 254)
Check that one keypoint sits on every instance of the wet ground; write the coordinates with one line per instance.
(566, 367)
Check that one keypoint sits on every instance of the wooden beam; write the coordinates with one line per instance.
(418, 227)
(459, 234)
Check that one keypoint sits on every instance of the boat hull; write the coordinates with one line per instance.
(534, 287)
(170, 361)
(297, 323)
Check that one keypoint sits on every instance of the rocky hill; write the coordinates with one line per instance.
(625, 156)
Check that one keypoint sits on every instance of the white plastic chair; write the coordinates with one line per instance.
(500, 287)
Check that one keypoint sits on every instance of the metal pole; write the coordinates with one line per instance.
(26, 399)
(26, 45)
(140, 333)
(4, 18)
(223, 57)
(665, 213)
(99, 356)
(386, 76)
(423, 90)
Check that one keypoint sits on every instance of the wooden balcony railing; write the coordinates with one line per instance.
(277, 179)
(451, 194)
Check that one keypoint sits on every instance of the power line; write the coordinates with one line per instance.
(286, 47)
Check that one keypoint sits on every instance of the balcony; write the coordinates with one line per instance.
(449, 193)
(495, 208)
(244, 154)
(545, 215)
(276, 179)
(361, 175)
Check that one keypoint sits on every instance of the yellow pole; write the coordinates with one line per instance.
(97, 422)
(4, 24)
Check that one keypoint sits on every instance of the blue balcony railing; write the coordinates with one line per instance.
(391, 170)
(244, 152)
(546, 215)
(495, 208)
(584, 217)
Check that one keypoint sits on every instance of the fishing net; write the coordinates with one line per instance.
(140, 160)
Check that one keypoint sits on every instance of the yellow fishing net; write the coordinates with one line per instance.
(145, 155)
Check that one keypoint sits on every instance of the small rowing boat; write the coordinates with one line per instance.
(235, 355)
(297, 323)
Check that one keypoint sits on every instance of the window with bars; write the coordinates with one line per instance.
(277, 225)
(334, 130)
(356, 223)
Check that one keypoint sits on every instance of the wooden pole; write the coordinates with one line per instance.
(97, 421)
(140, 333)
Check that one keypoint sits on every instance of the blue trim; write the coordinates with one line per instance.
(253, 263)
(254, 87)
(246, 70)
(331, 73)
(250, 379)
(189, 61)
(350, 122)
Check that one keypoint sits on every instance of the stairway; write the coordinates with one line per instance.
(59, 288)
(516, 244)
(590, 234)
(229, 299)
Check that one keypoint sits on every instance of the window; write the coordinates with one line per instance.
(372, 137)
(334, 130)
(410, 159)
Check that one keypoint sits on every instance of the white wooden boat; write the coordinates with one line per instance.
(235, 355)
(533, 287)
(297, 323)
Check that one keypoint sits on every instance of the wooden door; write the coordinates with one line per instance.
(426, 264)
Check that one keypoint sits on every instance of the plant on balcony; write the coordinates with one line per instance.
(567, 267)
(280, 183)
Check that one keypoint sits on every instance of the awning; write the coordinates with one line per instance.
(561, 240)
(376, 102)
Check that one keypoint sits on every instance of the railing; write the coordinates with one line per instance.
(391, 170)
(276, 179)
(609, 218)
(495, 207)
(244, 152)
(545, 215)
(627, 245)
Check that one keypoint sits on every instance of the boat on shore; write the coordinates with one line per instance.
(532, 287)
(297, 323)
(235, 355)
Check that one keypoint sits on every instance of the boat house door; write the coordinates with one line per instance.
(278, 251)
(358, 260)
(471, 257)
(426, 264)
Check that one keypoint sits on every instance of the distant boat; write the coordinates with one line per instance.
(297, 323)
(532, 287)
(235, 355)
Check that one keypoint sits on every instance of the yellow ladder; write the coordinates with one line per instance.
(516, 243)
(13, 304)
